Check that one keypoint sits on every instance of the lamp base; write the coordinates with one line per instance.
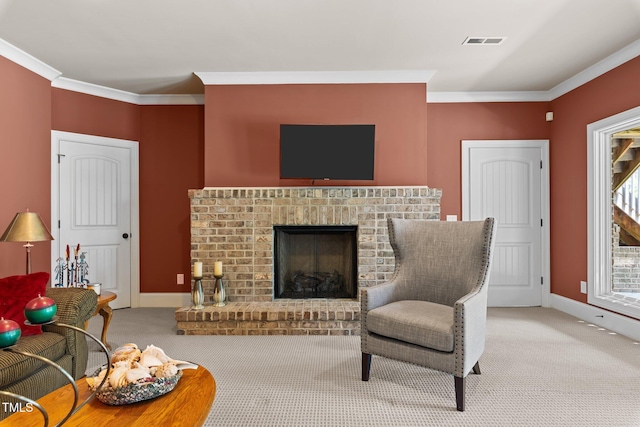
(28, 247)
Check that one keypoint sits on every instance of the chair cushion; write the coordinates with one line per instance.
(14, 367)
(421, 323)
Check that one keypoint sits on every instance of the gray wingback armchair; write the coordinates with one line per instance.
(433, 310)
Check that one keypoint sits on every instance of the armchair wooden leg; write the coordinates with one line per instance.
(459, 383)
(366, 366)
(476, 368)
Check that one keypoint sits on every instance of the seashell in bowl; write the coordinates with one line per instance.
(137, 375)
(149, 360)
(157, 353)
(134, 392)
(127, 353)
(166, 370)
(117, 377)
(95, 381)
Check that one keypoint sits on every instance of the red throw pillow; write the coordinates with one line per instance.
(16, 292)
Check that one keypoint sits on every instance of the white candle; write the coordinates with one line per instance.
(197, 269)
(217, 268)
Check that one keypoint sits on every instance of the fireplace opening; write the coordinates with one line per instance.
(315, 261)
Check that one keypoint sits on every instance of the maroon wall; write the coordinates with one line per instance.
(240, 148)
(170, 149)
(171, 162)
(612, 93)
(25, 141)
(449, 124)
(243, 125)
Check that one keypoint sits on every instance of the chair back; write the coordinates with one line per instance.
(440, 261)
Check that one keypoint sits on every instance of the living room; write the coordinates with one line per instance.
(189, 140)
(227, 136)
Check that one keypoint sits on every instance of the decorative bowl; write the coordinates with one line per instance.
(133, 393)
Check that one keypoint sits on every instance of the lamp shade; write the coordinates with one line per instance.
(26, 227)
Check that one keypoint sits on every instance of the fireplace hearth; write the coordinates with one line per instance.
(315, 262)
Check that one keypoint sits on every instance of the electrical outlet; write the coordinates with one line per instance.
(180, 279)
(583, 287)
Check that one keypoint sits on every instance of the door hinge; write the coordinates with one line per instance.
(541, 280)
(540, 164)
(541, 225)
(60, 155)
(58, 223)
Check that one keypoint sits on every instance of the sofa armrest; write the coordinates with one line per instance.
(75, 307)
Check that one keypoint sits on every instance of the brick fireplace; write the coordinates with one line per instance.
(236, 226)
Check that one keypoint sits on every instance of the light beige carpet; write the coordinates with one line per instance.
(541, 367)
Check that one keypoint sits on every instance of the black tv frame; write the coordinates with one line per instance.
(327, 152)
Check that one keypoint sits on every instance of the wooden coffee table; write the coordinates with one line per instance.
(188, 404)
(104, 310)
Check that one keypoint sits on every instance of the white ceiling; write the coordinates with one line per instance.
(155, 46)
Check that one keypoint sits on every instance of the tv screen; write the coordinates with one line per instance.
(327, 151)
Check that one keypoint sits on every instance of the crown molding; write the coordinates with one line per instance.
(95, 90)
(612, 61)
(27, 61)
(314, 77)
(452, 97)
(186, 99)
(129, 97)
(33, 64)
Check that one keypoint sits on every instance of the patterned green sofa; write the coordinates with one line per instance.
(33, 379)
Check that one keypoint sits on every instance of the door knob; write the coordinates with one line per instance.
(125, 235)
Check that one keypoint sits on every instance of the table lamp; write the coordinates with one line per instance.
(26, 227)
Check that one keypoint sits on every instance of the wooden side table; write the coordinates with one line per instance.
(105, 311)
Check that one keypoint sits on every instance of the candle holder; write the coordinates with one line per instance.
(196, 293)
(218, 291)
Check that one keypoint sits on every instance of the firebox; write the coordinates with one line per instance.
(315, 261)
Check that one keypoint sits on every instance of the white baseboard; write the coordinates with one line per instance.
(603, 318)
(166, 299)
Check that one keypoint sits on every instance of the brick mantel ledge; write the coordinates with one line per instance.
(282, 317)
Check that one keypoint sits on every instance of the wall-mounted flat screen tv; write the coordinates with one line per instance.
(327, 151)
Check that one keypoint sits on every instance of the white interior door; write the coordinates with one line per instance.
(95, 209)
(504, 180)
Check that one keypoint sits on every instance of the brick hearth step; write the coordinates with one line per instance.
(282, 317)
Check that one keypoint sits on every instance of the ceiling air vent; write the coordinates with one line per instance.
(483, 41)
